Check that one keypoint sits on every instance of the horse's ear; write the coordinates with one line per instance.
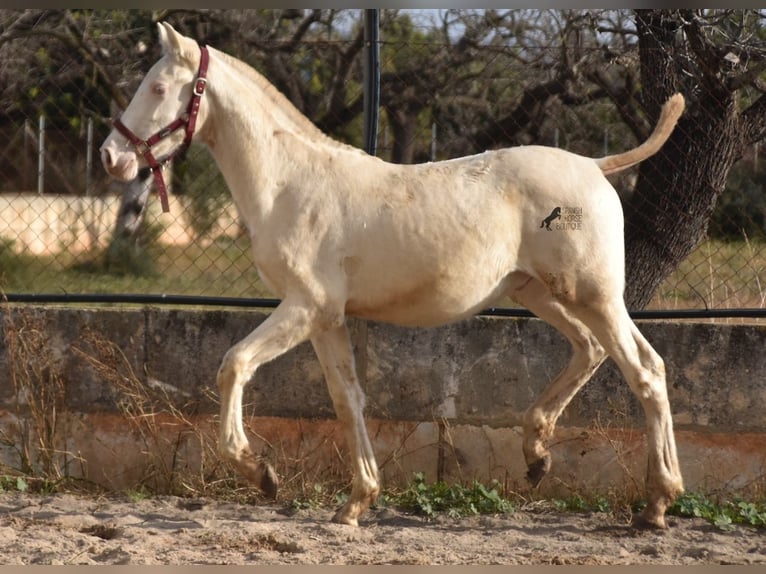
(177, 44)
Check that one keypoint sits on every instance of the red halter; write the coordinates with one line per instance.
(188, 121)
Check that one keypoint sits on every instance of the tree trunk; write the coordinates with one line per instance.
(667, 215)
(404, 125)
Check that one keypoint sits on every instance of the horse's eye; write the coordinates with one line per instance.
(159, 89)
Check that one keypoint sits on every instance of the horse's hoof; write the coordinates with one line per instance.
(342, 517)
(269, 481)
(538, 469)
(643, 522)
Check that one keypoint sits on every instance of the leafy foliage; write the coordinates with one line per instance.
(13, 483)
(723, 515)
(454, 500)
(741, 209)
(579, 503)
(316, 497)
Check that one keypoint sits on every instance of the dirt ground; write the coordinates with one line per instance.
(74, 529)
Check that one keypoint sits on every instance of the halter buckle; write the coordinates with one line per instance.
(199, 86)
(142, 147)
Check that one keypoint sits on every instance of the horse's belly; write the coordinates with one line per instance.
(426, 304)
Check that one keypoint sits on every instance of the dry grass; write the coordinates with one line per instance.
(177, 442)
(717, 275)
(39, 435)
(178, 448)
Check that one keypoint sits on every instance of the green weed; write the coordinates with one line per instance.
(452, 499)
(13, 484)
(138, 494)
(578, 503)
(315, 498)
(723, 514)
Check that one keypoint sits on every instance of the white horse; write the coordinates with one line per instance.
(337, 233)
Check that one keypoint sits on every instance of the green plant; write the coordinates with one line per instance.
(752, 513)
(455, 500)
(741, 208)
(13, 484)
(134, 256)
(13, 264)
(6, 246)
(221, 268)
(724, 514)
(125, 256)
(316, 498)
(138, 494)
(579, 503)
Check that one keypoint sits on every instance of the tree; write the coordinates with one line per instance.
(716, 59)
(312, 56)
(67, 66)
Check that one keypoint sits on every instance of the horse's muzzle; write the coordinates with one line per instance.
(119, 165)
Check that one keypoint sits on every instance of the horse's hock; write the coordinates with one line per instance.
(445, 401)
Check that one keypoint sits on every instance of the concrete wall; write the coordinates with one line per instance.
(447, 401)
(48, 224)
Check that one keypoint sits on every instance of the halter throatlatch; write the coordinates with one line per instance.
(187, 121)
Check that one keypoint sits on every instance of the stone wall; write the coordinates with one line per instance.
(447, 401)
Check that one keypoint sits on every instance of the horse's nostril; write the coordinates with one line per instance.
(106, 157)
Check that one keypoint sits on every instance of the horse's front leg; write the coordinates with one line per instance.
(285, 328)
(335, 353)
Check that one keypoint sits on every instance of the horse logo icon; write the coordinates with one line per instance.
(555, 214)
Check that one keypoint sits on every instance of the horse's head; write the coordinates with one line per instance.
(162, 101)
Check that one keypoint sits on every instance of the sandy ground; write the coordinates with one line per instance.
(74, 529)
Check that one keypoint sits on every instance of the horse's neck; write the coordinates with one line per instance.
(257, 135)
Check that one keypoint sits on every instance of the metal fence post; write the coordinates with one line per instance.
(433, 141)
(358, 327)
(371, 79)
(41, 155)
(89, 158)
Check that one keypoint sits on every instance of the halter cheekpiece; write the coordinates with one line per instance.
(187, 121)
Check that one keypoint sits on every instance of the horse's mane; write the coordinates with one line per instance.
(280, 101)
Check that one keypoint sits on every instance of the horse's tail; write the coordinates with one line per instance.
(671, 111)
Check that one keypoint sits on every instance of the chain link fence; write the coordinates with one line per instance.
(63, 225)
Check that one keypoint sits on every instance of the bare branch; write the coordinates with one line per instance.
(753, 121)
(91, 54)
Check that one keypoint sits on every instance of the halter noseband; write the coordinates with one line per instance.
(188, 121)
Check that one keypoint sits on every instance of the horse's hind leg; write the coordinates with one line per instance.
(335, 353)
(644, 370)
(540, 418)
(287, 326)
